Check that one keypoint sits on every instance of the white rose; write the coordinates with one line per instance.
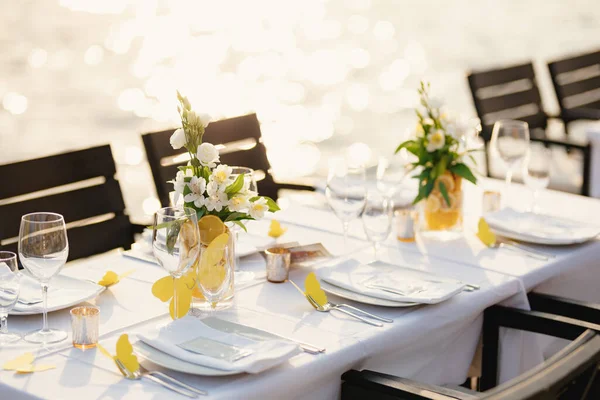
(178, 139)
(205, 119)
(258, 208)
(437, 140)
(208, 155)
(195, 119)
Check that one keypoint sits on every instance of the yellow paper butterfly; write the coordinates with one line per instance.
(164, 289)
(485, 234)
(124, 353)
(276, 229)
(313, 289)
(24, 365)
(111, 278)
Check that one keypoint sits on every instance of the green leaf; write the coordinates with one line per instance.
(272, 205)
(240, 224)
(235, 216)
(186, 190)
(236, 186)
(410, 145)
(429, 187)
(463, 171)
(444, 193)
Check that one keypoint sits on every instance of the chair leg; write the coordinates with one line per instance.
(489, 363)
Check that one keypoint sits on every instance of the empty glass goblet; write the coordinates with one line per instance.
(377, 219)
(9, 293)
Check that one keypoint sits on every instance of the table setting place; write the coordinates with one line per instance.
(211, 244)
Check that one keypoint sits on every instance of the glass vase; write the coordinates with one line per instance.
(437, 217)
(199, 304)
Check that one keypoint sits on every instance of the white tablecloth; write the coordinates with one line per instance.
(429, 343)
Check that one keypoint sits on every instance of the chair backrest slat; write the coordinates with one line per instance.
(49, 172)
(226, 134)
(81, 186)
(577, 81)
(508, 93)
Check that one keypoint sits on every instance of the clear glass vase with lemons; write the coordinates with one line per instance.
(440, 150)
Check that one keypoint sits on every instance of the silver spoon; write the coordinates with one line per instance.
(137, 375)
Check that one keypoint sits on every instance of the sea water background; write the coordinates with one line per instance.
(321, 75)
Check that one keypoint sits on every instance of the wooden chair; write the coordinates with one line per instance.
(239, 143)
(512, 93)
(94, 211)
(569, 374)
(577, 84)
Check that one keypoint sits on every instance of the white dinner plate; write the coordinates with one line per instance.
(175, 364)
(540, 228)
(243, 249)
(69, 293)
(361, 298)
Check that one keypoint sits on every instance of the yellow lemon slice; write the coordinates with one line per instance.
(456, 204)
(433, 203)
(210, 227)
(448, 182)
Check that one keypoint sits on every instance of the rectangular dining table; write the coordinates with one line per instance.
(433, 343)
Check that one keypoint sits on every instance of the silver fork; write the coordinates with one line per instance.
(137, 375)
(329, 306)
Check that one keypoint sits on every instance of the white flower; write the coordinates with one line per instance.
(427, 122)
(213, 188)
(221, 174)
(258, 208)
(195, 119)
(178, 139)
(437, 140)
(197, 186)
(179, 183)
(208, 155)
(419, 132)
(239, 203)
(216, 202)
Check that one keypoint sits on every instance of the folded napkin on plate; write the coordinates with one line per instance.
(30, 290)
(419, 287)
(266, 354)
(538, 225)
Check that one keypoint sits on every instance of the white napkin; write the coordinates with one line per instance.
(266, 354)
(539, 225)
(419, 287)
(30, 290)
(62, 290)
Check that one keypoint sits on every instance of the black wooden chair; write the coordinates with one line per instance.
(94, 210)
(577, 84)
(239, 143)
(512, 93)
(569, 374)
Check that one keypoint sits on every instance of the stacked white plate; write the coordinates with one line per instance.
(540, 228)
(354, 281)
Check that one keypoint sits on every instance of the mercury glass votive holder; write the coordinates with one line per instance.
(405, 224)
(85, 322)
(278, 264)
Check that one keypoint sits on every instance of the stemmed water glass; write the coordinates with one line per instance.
(536, 171)
(43, 251)
(346, 192)
(391, 173)
(510, 139)
(9, 294)
(176, 242)
(377, 219)
(249, 177)
(214, 273)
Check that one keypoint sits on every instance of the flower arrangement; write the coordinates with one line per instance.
(209, 188)
(439, 146)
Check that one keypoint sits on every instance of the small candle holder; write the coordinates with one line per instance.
(84, 323)
(278, 264)
(405, 224)
(491, 201)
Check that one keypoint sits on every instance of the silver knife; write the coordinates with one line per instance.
(256, 334)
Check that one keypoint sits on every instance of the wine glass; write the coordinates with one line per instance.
(176, 242)
(377, 219)
(510, 139)
(214, 273)
(391, 173)
(536, 171)
(43, 251)
(346, 192)
(9, 294)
